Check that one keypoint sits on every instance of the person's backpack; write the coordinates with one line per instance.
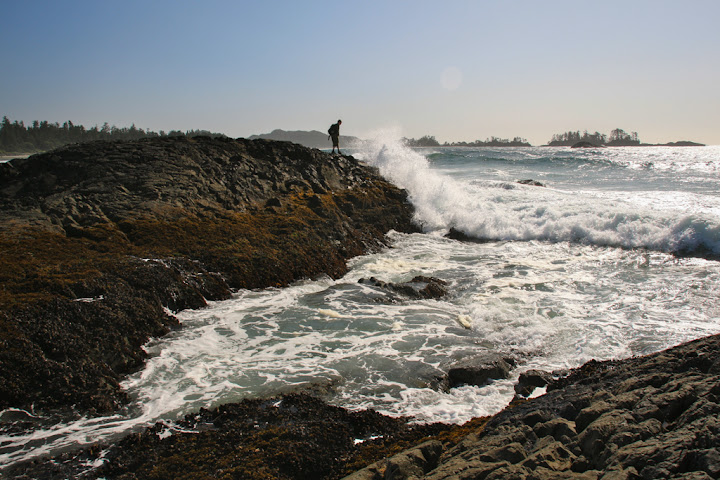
(333, 130)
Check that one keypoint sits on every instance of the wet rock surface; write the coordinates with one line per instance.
(478, 370)
(295, 436)
(103, 241)
(531, 182)
(530, 380)
(420, 287)
(653, 417)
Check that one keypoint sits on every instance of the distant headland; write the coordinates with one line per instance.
(310, 139)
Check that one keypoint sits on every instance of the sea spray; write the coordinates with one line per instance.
(432, 195)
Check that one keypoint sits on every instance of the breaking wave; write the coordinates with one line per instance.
(493, 210)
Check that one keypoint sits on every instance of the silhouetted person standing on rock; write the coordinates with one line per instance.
(334, 132)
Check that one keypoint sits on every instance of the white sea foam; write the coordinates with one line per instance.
(498, 210)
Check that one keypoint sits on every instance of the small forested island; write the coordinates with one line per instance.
(430, 141)
(617, 138)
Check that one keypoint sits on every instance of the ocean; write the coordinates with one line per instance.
(614, 256)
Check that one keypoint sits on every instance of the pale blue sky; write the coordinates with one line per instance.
(458, 70)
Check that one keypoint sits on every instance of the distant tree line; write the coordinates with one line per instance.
(15, 137)
(493, 142)
(618, 137)
(429, 141)
(426, 141)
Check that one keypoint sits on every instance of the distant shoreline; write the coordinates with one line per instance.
(681, 143)
(670, 144)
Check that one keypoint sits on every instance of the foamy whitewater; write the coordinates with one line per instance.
(580, 269)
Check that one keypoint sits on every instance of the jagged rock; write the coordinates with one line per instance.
(420, 287)
(84, 184)
(478, 370)
(532, 183)
(412, 463)
(456, 234)
(530, 380)
(655, 417)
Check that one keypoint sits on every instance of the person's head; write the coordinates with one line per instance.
(339, 122)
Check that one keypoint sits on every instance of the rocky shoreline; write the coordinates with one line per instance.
(652, 417)
(103, 241)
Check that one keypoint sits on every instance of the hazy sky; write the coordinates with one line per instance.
(458, 70)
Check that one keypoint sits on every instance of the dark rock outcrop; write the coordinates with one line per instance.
(86, 184)
(653, 417)
(530, 380)
(478, 370)
(412, 463)
(295, 436)
(456, 234)
(99, 239)
(420, 287)
(531, 182)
